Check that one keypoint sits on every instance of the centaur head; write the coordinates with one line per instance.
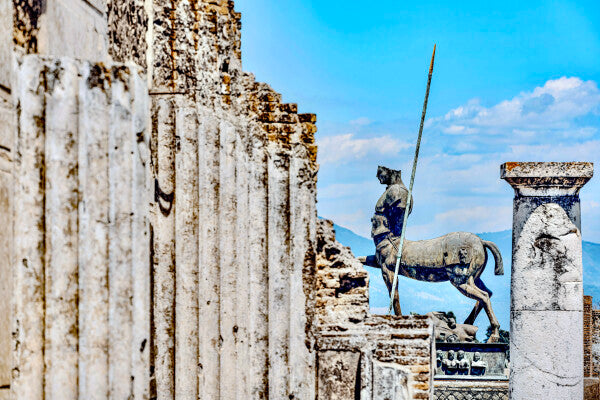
(388, 176)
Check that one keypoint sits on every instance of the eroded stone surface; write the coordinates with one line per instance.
(337, 371)
(547, 272)
(7, 121)
(5, 271)
(546, 335)
(79, 169)
(547, 178)
(58, 36)
(6, 42)
(474, 390)
(395, 352)
(342, 282)
(546, 362)
(390, 381)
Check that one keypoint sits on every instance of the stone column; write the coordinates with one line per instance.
(546, 321)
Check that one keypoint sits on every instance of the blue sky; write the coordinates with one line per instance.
(514, 81)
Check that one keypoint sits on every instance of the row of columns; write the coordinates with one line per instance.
(158, 250)
(234, 233)
(81, 317)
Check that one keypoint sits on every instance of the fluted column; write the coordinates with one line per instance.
(81, 282)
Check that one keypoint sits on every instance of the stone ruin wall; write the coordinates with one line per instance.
(596, 342)
(81, 305)
(165, 152)
(588, 327)
(591, 341)
(361, 355)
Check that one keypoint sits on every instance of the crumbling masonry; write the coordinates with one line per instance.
(163, 205)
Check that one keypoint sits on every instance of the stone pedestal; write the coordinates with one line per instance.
(546, 322)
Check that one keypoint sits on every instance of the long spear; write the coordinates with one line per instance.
(410, 187)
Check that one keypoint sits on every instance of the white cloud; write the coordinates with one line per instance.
(591, 204)
(341, 149)
(576, 151)
(553, 107)
(362, 121)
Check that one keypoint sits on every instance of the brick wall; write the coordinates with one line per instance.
(596, 342)
(587, 336)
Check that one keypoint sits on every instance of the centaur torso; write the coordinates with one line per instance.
(392, 205)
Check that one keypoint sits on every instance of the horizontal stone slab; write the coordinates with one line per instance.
(547, 178)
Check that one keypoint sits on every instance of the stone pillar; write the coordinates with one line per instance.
(546, 321)
(81, 261)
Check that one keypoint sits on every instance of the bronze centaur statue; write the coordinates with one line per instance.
(458, 257)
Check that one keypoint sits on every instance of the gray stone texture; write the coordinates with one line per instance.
(342, 296)
(165, 220)
(6, 218)
(473, 390)
(6, 43)
(77, 178)
(49, 28)
(254, 269)
(361, 355)
(546, 285)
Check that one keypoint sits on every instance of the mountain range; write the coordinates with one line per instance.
(422, 297)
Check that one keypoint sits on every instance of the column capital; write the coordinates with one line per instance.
(547, 179)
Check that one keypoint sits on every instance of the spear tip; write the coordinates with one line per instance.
(432, 58)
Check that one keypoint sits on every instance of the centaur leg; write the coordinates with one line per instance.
(387, 278)
(479, 305)
(471, 290)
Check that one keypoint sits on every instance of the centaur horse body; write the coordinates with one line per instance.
(458, 257)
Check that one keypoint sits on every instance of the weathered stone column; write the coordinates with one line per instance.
(81, 266)
(546, 321)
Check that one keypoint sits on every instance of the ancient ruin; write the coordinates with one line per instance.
(591, 350)
(165, 230)
(161, 239)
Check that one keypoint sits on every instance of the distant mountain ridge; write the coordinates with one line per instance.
(422, 297)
